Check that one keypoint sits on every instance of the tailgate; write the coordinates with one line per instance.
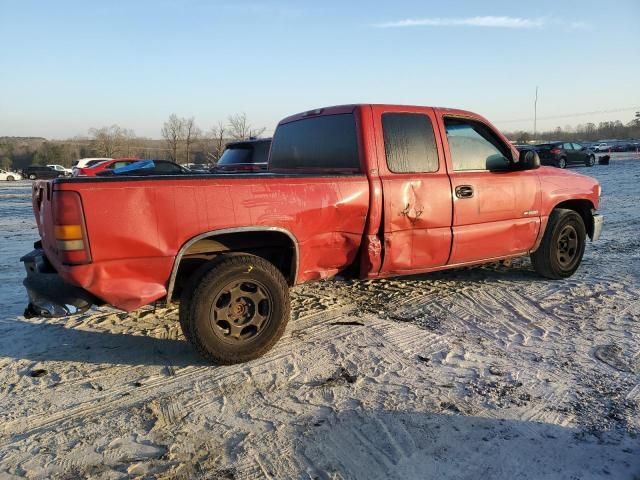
(41, 195)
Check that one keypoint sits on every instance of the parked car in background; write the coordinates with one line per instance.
(35, 172)
(198, 167)
(561, 154)
(146, 167)
(623, 147)
(61, 169)
(601, 147)
(93, 168)
(245, 156)
(9, 176)
(85, 162)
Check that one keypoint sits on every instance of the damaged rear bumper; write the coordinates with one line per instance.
(49, 294)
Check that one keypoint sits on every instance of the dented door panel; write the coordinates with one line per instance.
(417, 212)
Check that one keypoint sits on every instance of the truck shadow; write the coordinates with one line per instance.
(55, 342)
(406, 444)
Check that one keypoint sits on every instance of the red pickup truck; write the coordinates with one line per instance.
(365, 191)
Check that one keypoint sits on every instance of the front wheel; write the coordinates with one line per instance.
(238, 310)
(10, 178)
(560, 253)
(591, 161)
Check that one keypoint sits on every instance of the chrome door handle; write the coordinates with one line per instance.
(464, 191)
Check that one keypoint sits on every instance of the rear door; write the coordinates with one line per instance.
(495, 214)
(416, 189)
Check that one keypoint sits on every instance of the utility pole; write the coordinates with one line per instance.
(535, 114)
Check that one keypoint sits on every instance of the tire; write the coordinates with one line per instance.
(591, 161)
(562, 163)
(238, 310)
(186, 296)
(10, 178)
(562, 247)
(32, 177)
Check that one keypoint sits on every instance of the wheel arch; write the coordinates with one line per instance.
(582, 207)
(275, 244)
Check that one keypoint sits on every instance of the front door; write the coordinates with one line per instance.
(572, 155)
(416, 189)
(496, 214)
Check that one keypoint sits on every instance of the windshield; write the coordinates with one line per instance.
(93, 163)
(250, 152)
(235, 155)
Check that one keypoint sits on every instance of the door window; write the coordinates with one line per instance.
(577, 146)
(567, 146)
(118, 165)
(409, 143)
(471, 144)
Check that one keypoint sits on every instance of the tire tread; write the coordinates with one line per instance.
(209, 276)
(541, 257)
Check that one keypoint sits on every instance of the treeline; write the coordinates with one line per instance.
(183, 141)
(589, 132)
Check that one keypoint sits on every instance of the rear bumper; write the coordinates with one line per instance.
(49, 294)
(598, 221)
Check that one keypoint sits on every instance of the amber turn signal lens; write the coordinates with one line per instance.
(68, 232)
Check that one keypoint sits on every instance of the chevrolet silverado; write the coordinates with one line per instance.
(366, 191)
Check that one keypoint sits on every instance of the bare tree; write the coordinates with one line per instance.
(173, 132)
(217, 134)
(128, 139)
(191, 134)
(108, 140)
(240, 129)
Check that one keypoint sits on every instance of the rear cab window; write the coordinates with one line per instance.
(409, 143)
(317, 143)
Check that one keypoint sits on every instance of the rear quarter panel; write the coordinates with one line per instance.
(137, 227)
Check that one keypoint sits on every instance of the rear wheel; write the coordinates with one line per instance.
(32, 177)
(562, 247)
(562, 163)
(238, 309)
(591, 161)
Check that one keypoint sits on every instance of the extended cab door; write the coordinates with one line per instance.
(495, 214)
(416, 189)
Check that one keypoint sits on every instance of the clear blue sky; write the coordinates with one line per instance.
(71, 65)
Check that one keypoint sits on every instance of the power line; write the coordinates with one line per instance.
(570, 115)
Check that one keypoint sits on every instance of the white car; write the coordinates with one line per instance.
(85, 162)
(61, 169)
(601, 147)
(9, 176)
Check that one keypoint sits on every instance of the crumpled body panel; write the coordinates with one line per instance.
(137, 228)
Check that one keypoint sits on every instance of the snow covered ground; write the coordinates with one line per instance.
(476, 373)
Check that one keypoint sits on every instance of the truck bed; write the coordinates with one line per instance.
(137, 225)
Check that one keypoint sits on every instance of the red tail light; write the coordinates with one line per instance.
(69, 228)
(555, 151)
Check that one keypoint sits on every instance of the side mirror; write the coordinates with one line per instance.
(528, 160)
(498, 163)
